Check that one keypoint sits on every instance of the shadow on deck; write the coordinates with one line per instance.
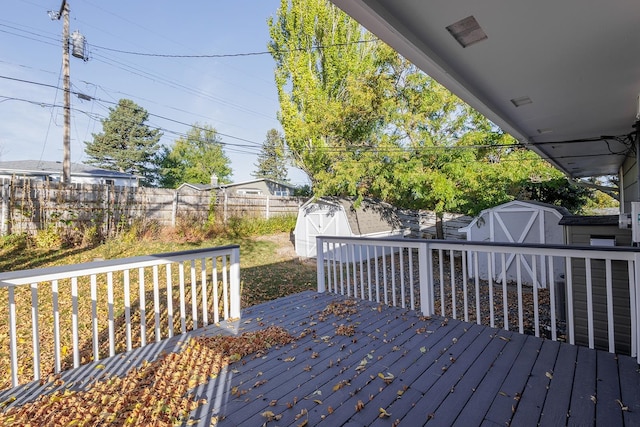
(436, 372)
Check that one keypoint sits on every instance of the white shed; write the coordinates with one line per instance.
(339, 217)
(518, 222)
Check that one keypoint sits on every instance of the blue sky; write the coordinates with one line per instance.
(236, 95)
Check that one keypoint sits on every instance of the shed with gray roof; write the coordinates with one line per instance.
(332, 216)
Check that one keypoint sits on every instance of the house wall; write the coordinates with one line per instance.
(581, 235)
(630, 191)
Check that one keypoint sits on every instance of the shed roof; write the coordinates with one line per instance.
(559, 211)
(367, 217)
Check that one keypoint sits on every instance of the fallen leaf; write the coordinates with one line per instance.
(549, 375)
(290, 359)
(423, 349)
(384, 413)
(359, 406)
(100, 366)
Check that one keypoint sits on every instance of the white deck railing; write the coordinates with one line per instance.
(81, 313)
(581, 295)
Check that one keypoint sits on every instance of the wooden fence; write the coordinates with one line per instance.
(28, 206)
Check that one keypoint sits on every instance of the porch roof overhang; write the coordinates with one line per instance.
(572, 66)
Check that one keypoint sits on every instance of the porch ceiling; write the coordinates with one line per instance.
(577, 62)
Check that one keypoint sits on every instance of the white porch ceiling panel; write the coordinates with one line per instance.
(578, 61)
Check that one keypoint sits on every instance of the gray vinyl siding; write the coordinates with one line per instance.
(580, 235)
(630, 191)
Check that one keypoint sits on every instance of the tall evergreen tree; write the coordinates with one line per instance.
(127, 143)
(272, 163)
(195, 158)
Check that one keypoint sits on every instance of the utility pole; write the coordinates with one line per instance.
(66, 139)
(66, 87)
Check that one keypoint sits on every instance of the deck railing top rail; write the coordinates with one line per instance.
(25, 277)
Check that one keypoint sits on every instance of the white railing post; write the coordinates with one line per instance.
(320, 264)
(426, 280)
(13, 339)
(235, 283)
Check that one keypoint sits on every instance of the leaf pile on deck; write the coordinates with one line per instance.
(155, 393)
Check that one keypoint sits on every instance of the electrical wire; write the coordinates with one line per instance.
(234, 55)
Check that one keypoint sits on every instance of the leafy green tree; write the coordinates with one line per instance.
(127, 143)
(271, 160)
(362, 121)
(195, 158)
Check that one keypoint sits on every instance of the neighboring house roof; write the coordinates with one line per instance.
(199, 187)
(40, 168)
(559, 76)
(252, 181)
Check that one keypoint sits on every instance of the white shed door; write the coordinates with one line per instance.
(518, 225)
(320, 223)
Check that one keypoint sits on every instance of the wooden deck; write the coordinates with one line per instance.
(445, 372)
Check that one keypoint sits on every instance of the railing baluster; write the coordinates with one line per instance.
(393, 277)
(589, 303)
(552, 302)
(465, 284)
(536, 309)
(347, 272)
(341, 268)
(569, 286)
(411, 284)
(402, 284)
(156, 301)
(56, 326)
(369, 272)
(214, 286)
(354, 269)
(194, 294)
(361, 272)
(609, 288)
(183, 309)
(74, 322)
(143, 308)
(95, 341)
(169, 300)
(127, 308)
(35, 331)
(205, 301)
(505, 295)
(225, 287)
(384, 275)
(492, 314)
(13, 339)
(377, 269)
(441, 280)
(112, 335)
(452, 281)
(519, 281)
(476, 262)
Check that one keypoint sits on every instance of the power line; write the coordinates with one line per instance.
(234, 55)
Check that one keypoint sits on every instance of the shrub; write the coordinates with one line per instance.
(48, 238)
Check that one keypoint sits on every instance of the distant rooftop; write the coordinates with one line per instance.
(39, 167)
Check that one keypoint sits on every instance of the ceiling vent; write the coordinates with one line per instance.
(523, 100)
(467, 31)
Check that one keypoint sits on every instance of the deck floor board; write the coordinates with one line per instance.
(445, 372)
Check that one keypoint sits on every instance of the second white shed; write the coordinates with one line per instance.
(334, 216)
(517, 222)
